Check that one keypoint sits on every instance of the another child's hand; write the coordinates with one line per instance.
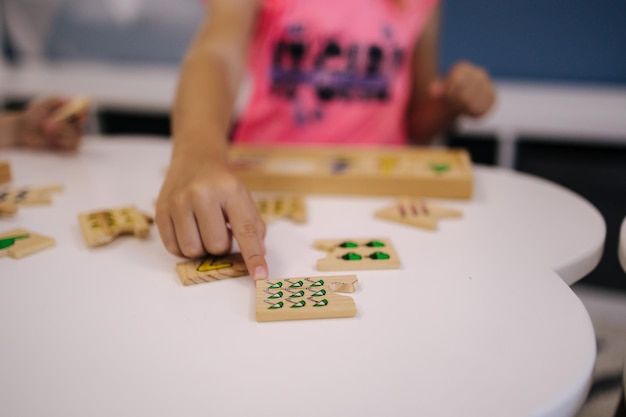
(38, 129)
(202, 206)
(467, 90)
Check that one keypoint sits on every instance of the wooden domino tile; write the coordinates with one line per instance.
(211, 268)
(357, 254)
(5, 172)
(417, 212)
(29, 195)
(272, 207)
(71, 109)
(305, 298)
(19, 243)
(102, 227)
(7, 209)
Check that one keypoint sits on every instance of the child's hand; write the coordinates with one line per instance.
(38, 129)
(467, 90)
(202, 206)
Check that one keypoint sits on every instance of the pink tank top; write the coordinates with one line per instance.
(331, 71)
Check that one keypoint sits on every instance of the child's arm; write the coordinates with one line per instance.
(437, 102)
(202, 204)
(36, 126)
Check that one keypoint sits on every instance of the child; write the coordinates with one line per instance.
(35, 127)
(323, 71)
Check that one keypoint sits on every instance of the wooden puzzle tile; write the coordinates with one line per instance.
(305, 298)
(5, 172)
(416, 212)
(18, 243)
(7, 209)
(29, 195)
(102, 227)
(272, 207)
(211, 268)
(357, 254)
(71, 109)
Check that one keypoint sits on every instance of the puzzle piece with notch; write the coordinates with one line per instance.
(305, 298)
(357, 254)
(18, 243)
(416, 212)
(272, 207)
(103, 226)
(211, 268)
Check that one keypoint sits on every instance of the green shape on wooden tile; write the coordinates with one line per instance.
(318, 283)
(379, 256)
(275, 285)
(321, 303)
(351, 256)
(439, 168)
(297, 295)
(279, 294)
(375, 244)
(7, 242)
(299, 304)
(319, 293)
(276, 306)
(349, 244)
(297, 284)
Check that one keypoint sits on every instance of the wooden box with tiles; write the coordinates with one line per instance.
(305, 298)
(411, 171)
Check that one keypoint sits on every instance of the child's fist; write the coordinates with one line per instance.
(467, 90)
(39, 128)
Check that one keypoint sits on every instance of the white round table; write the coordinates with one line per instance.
(479, 321)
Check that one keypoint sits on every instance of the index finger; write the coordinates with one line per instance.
(249, 230)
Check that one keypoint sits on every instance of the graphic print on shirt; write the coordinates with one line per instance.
(332, 69)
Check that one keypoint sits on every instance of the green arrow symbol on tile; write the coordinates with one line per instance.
(7, 242)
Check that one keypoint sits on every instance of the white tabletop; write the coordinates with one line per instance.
(476, 322)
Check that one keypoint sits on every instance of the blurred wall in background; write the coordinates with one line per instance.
(553, 40)
(121, 31)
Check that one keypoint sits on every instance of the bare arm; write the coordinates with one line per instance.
(202, 204)
(210, 78)
(436, 102)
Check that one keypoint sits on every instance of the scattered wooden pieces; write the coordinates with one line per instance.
(103, 226)
(18, 243)
(305, 298)
(211, 268)
(357, 254)
(416, 212)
